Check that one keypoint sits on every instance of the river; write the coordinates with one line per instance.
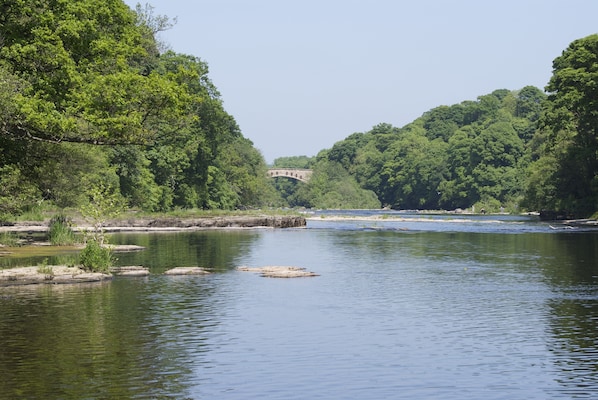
(409, 306)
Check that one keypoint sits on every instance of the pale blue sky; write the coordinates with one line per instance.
(299, 76)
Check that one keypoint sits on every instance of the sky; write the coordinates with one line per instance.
(299, 76)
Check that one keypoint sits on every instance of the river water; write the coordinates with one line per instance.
(408, 307)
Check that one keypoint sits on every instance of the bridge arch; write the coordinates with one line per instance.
(299, 174)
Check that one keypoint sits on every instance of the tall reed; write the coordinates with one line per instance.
(61, 232)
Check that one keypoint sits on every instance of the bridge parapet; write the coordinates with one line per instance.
(302, 175)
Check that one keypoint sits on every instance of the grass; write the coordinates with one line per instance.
(9, 239)
(60, 232)
(45, 269)
(39, 213)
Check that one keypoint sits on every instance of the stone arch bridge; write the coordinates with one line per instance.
(302, 175)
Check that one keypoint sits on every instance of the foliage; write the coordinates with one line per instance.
(331, 186)
(565, 177)
(414, 172)
(9, 239)
(16, 194)
(104, 203)
(60, 232)
(475, 152)
(301, 162)
(89, 94)
(90, 99)
(96, 257)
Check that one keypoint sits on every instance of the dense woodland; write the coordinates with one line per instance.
(91, 101)
(88, 100)
(505, 151)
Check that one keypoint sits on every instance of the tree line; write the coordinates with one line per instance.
(459, 156)
(91, 100)
(507, 150)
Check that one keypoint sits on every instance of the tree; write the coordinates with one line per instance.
(136, 180)
(458, 191)
(571, 118)
(414, 173)
(246, 173)
(302, 162)
(88, 94)
(331, 186)
(76, 78)
(16, 194)
(529, 103)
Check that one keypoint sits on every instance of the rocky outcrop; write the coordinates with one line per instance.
(187, 271)
(218, 222)
(130, 271)
(279, 272)
(123, 248)
(49, 275)
(174, 224)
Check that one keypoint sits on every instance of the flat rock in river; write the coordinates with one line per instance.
(279, 271)
(48, 274)
(186, 271)
(130, 271)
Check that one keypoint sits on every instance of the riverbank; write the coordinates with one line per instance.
(451, 217)
(136, 224)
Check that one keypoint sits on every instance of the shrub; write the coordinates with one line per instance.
(96, 258)
(61, 233)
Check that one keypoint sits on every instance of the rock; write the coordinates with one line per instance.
(174, 224)
(231, 221)
(79, 278)
(124, 248)
(50, 274)
(279, 271)
(130, 271)
(187, 271)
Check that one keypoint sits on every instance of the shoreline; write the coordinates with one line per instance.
(166, 224)
(184, 224)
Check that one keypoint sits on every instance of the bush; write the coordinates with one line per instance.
(60, 233)
(96, 258)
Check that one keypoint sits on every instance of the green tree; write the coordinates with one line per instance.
(78, 74)
(414, 173)
(88, 94)
(571, 118)
(302, 162)
(332, 187)
(451, 157)
(246, 173)
(136, 180)
(16, 194)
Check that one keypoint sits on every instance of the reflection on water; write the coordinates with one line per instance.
(462, 312)
(214, 250)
